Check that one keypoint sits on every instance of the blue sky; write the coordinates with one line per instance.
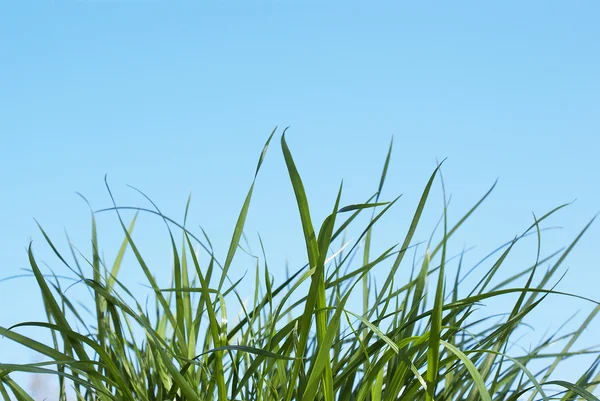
(173, 97)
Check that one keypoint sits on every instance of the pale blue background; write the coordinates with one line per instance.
(176, 96)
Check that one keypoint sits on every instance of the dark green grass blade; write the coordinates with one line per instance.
(409, 235)
(582, 392)
(316, 295)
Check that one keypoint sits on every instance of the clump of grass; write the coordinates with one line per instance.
(299, 339)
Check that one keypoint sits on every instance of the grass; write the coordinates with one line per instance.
(299, 339)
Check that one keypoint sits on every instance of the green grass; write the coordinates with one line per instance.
(416, 336)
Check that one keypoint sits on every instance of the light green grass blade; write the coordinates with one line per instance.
(477, 379)
(436, 318)
(239, 225)
(120, 255)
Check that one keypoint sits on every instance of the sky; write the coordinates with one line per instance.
(179, 97)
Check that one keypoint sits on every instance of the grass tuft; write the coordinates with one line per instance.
(303, 338)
